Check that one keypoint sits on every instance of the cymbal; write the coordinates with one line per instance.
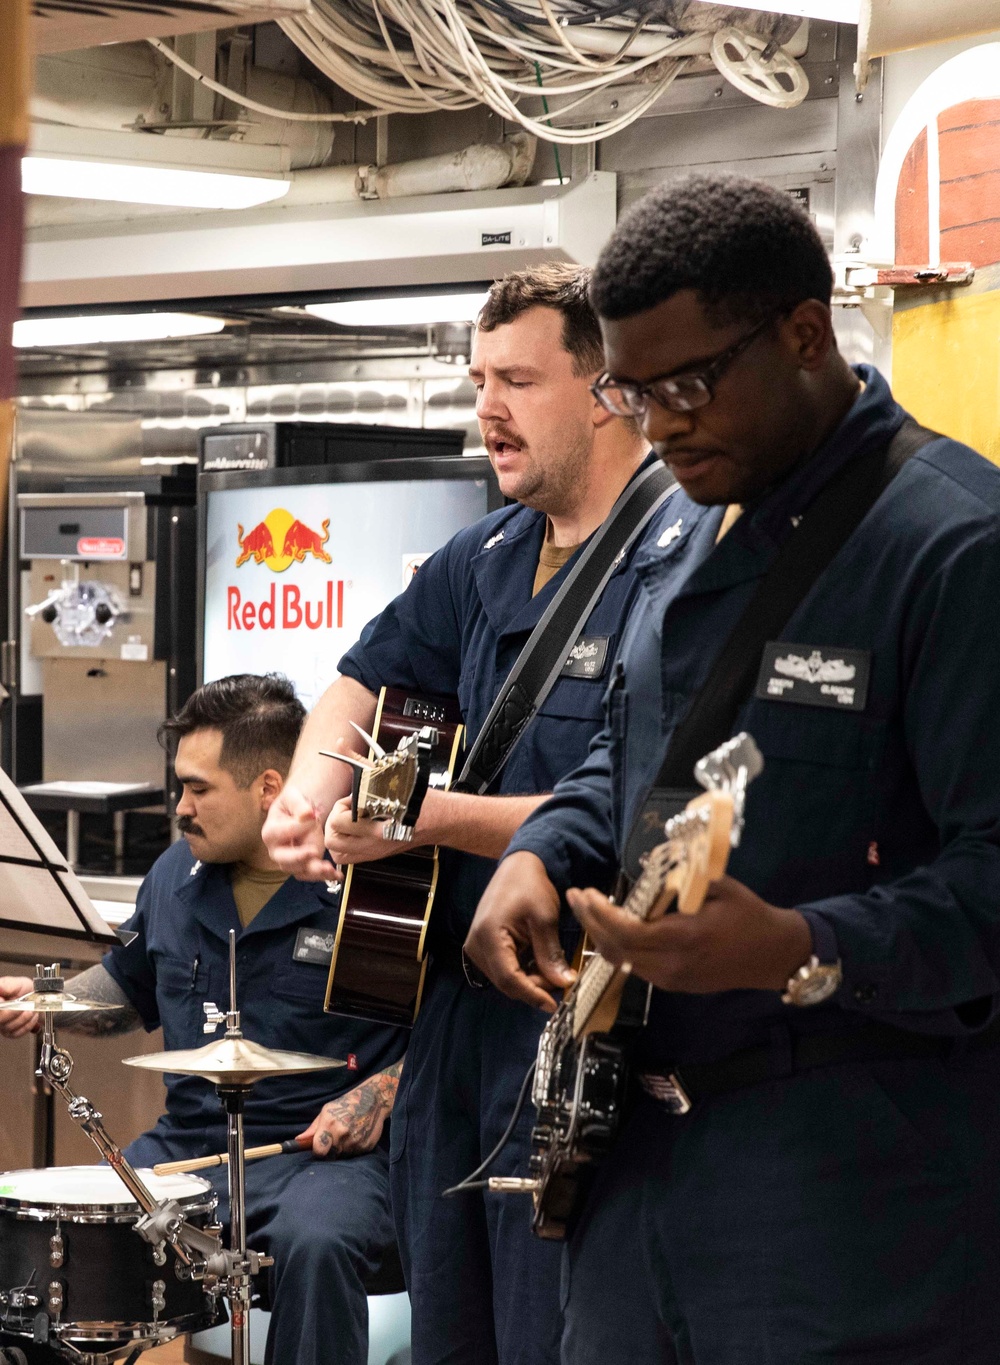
(233, 1061)
(54, 1002)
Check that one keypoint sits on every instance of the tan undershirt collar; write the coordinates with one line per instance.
(253, 888)
(551, 558)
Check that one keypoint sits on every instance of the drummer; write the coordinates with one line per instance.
(327, 1223)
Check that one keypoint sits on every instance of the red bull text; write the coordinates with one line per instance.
(289, 612)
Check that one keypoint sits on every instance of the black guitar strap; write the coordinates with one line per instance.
(542, 659)
(828, 522)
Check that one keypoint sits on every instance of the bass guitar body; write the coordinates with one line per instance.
(582, 1070)
(579, 1109)
(379, 962)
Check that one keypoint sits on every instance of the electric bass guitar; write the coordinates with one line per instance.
(378, 966)
(582, 1066)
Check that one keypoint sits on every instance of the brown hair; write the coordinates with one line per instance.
(554, 285)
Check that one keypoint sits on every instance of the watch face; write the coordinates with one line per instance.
(820, 984)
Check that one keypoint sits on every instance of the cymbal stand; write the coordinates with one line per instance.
(164, 1220)
(243, 1264)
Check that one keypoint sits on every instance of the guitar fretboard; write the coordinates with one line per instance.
(598, 974)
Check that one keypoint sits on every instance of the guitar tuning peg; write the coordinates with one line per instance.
(375, 747)
(363, 764)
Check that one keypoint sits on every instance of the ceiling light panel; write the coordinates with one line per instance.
(412, 310)
(142, 168)
(104, 329)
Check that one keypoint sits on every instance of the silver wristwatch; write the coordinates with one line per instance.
(813, 983)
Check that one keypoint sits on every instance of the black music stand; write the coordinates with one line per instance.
(44, 916)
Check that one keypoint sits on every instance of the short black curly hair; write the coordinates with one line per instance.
(747, 250)
(260, 718)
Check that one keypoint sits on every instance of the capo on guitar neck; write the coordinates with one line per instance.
(359, 766)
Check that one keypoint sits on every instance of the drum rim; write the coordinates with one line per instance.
(133, 1331)
(100, 1215)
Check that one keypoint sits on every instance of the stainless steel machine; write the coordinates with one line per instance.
(108, 594)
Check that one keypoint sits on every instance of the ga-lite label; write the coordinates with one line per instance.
(814, 675)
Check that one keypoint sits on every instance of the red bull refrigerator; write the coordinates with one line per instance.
(294, 561)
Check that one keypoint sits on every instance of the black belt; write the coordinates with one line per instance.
(678, 1087)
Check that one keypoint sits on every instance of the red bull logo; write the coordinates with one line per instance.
(289, 611)
(279, 528)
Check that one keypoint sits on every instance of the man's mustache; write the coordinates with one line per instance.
(187, 826)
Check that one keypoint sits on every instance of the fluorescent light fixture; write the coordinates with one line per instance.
(409, 310)
(98, 329)
(144, 168)
(146, 184)
(840, 11)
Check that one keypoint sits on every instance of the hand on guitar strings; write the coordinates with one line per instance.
(359, 841)
(352, 1124)
(514, 938)
(293, 833)
(736, 941)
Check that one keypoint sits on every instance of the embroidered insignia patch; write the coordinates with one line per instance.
(814, 675)
(493, 540)
(313, 945)
(587, 658)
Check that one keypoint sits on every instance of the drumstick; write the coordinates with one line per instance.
(202, 1163)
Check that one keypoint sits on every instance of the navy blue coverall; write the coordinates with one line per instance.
(327, 1223)
(847, 1213)
(482, 1288)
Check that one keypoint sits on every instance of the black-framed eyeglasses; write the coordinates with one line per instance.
(683, 392)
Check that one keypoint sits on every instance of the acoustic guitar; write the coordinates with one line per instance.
(582, 1067)
(378, 966)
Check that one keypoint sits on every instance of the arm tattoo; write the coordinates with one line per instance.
(97, 984)
(366, 1106)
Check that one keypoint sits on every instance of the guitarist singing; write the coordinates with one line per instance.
(482, 1289)
(833, 1192)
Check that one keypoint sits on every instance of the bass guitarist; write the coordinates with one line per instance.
(832, 1194)
(482, 1289)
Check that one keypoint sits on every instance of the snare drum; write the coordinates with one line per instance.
(72, 1269)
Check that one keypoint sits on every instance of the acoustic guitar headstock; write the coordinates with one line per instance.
(391, 786)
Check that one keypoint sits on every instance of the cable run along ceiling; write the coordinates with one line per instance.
(540, 62)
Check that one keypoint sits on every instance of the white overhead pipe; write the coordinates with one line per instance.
(482, 166)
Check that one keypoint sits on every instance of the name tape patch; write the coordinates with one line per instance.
(312, 945)
(587, 658)
(814, 675)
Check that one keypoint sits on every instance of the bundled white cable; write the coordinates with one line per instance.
(413, 56)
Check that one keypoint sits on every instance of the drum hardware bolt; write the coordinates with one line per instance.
(56, 1250)
(160, 1256)
(158, 1297)
(55, 1300)
(173, 1227)
(22, 1298)
(181, 1271)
